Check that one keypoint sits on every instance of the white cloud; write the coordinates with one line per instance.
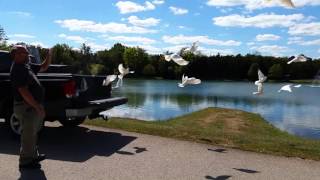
(308, 29)
(203, 50)
(178, 11)
(311, 43)
(86, 40)
(21, 13)
(251, 43)
(91, 26)
(300, 41)
(134, 20)
(273, 50)
(141, 40)
(158, 1)
(260, 4)
(22, 36)
(77, 39)
(181, 39)
(132, 7)
(294, 40)
(98, 47)
(260, 21)
(212, 51)
(267, 37)
(35, 43)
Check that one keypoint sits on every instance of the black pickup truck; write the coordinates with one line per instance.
(69, 98)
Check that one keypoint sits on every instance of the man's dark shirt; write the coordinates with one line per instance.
(24, 75)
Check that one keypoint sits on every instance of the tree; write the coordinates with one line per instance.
(276, 72)
(135, 58)
(3, 36)
(253, 71)
(3, 40)
(149, 70)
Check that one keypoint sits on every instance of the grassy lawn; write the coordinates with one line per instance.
(223, 127)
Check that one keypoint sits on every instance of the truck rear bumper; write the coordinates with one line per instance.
(95, 107)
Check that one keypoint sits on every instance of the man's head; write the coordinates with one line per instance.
(20, 54)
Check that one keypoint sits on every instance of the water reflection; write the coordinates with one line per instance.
(296, 112)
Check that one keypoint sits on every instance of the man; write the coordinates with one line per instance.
(28, 99)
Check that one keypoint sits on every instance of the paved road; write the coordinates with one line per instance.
(99, 153)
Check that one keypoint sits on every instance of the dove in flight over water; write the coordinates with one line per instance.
(123, 71)
(109, 79)
(176, 58)
(300, 58)
(186, 80)
(288, 87)
(261, 79)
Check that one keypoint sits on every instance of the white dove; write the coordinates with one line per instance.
(186, 80)
(288, 3)
(300, 58)
(261, 79)
(176, 58)
(194, 47)
(286, 88)
(123, 71)
(109, 79)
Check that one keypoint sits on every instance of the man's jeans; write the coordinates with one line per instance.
(31, 124)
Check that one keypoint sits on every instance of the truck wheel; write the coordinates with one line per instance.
(72, 121)
(15, 125)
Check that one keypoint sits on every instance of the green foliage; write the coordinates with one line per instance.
(96, 69)
(135, 58)
(253, 71)
(276, 72)
(3, 36)
(3, 40)
(149, 70)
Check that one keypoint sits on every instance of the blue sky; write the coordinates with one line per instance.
(224, 26)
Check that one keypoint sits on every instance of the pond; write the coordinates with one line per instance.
(297, 112)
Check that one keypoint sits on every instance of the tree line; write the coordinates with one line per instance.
(216, 67)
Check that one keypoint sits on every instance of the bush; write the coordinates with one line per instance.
(276, 72)
(149, 70)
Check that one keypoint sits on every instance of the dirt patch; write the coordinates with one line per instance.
(232, 121)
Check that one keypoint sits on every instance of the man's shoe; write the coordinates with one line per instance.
(40, 157)
(32, 165)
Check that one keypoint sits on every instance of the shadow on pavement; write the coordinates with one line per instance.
(219, 150)
(249, 171)
(37, 174)
(218, 177)
(69, 144)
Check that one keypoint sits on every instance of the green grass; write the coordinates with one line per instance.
(223, 127)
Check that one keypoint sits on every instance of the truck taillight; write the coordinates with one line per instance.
(69, 89)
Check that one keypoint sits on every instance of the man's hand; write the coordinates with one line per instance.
(47, 62)
(28, 98)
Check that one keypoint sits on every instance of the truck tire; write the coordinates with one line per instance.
(15, 125)
(72, 121)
